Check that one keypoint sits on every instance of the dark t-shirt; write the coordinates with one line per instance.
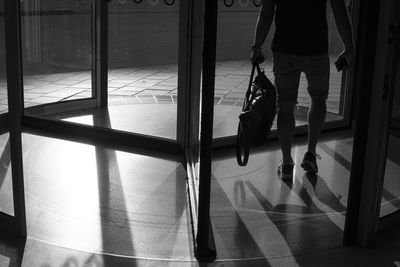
(301, 27)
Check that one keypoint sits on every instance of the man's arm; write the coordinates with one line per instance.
(343, 24)
(263, 26)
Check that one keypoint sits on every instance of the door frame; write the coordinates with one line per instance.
(374, 88)
(16, 224)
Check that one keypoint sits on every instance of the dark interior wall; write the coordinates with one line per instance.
(57, 33)
(66, 41)
(137, 39)
(60, 32)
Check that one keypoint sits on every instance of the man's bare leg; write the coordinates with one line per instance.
(316, 119)
(286, 126)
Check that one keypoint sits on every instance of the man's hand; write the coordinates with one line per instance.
(257, 55)
(346, 56)
(344, 27)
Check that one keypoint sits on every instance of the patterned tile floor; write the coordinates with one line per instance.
(156, 84)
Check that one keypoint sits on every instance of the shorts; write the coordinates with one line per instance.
(287, 70)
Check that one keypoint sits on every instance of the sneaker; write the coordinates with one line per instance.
(309, 163)
(286, 170)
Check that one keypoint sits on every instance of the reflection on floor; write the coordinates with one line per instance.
(92, 206)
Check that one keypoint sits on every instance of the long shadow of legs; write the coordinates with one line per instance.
(346, 163)
(230, 229)
(304, 227)
(323, 193)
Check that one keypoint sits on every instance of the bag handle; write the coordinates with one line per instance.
(250, 83)
(239, 136)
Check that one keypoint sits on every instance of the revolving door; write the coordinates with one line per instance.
(102, 71)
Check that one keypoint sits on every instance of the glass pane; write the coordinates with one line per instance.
(3, 78)
(143, 66)
(6, 188)
(236, 26)
(57, 50)
(6, 194)
(391, 188)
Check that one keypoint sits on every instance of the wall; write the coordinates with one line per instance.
(59, 32)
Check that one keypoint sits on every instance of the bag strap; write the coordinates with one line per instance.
(259, 71)
(249, 87)
(239, 136)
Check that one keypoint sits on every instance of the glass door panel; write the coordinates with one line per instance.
(236, 24)
(143, 66)
(235, 36)
(6, 189)
(391, 187)
(57, 50)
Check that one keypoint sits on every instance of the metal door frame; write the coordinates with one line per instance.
(14, 225)
(374, 88)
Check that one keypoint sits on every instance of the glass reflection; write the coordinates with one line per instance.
(391, 188)
(143, 65)
(57, 50)
(236, 24)
(6, 188)
(6, 194)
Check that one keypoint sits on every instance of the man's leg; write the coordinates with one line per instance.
(316, 118)
(317, 70)
(286, 125)
(287, 78)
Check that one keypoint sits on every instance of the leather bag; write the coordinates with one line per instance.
(257, 116)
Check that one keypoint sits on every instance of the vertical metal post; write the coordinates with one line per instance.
(15, 106)
(188, 74)
(189, 80)
(369, 149)
(366, 48)
(101, 53)
(205, 249)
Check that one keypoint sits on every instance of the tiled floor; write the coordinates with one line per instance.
(141, 96)
(156, 84)
(93, 206)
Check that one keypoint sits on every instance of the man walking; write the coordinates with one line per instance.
(300, 44)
